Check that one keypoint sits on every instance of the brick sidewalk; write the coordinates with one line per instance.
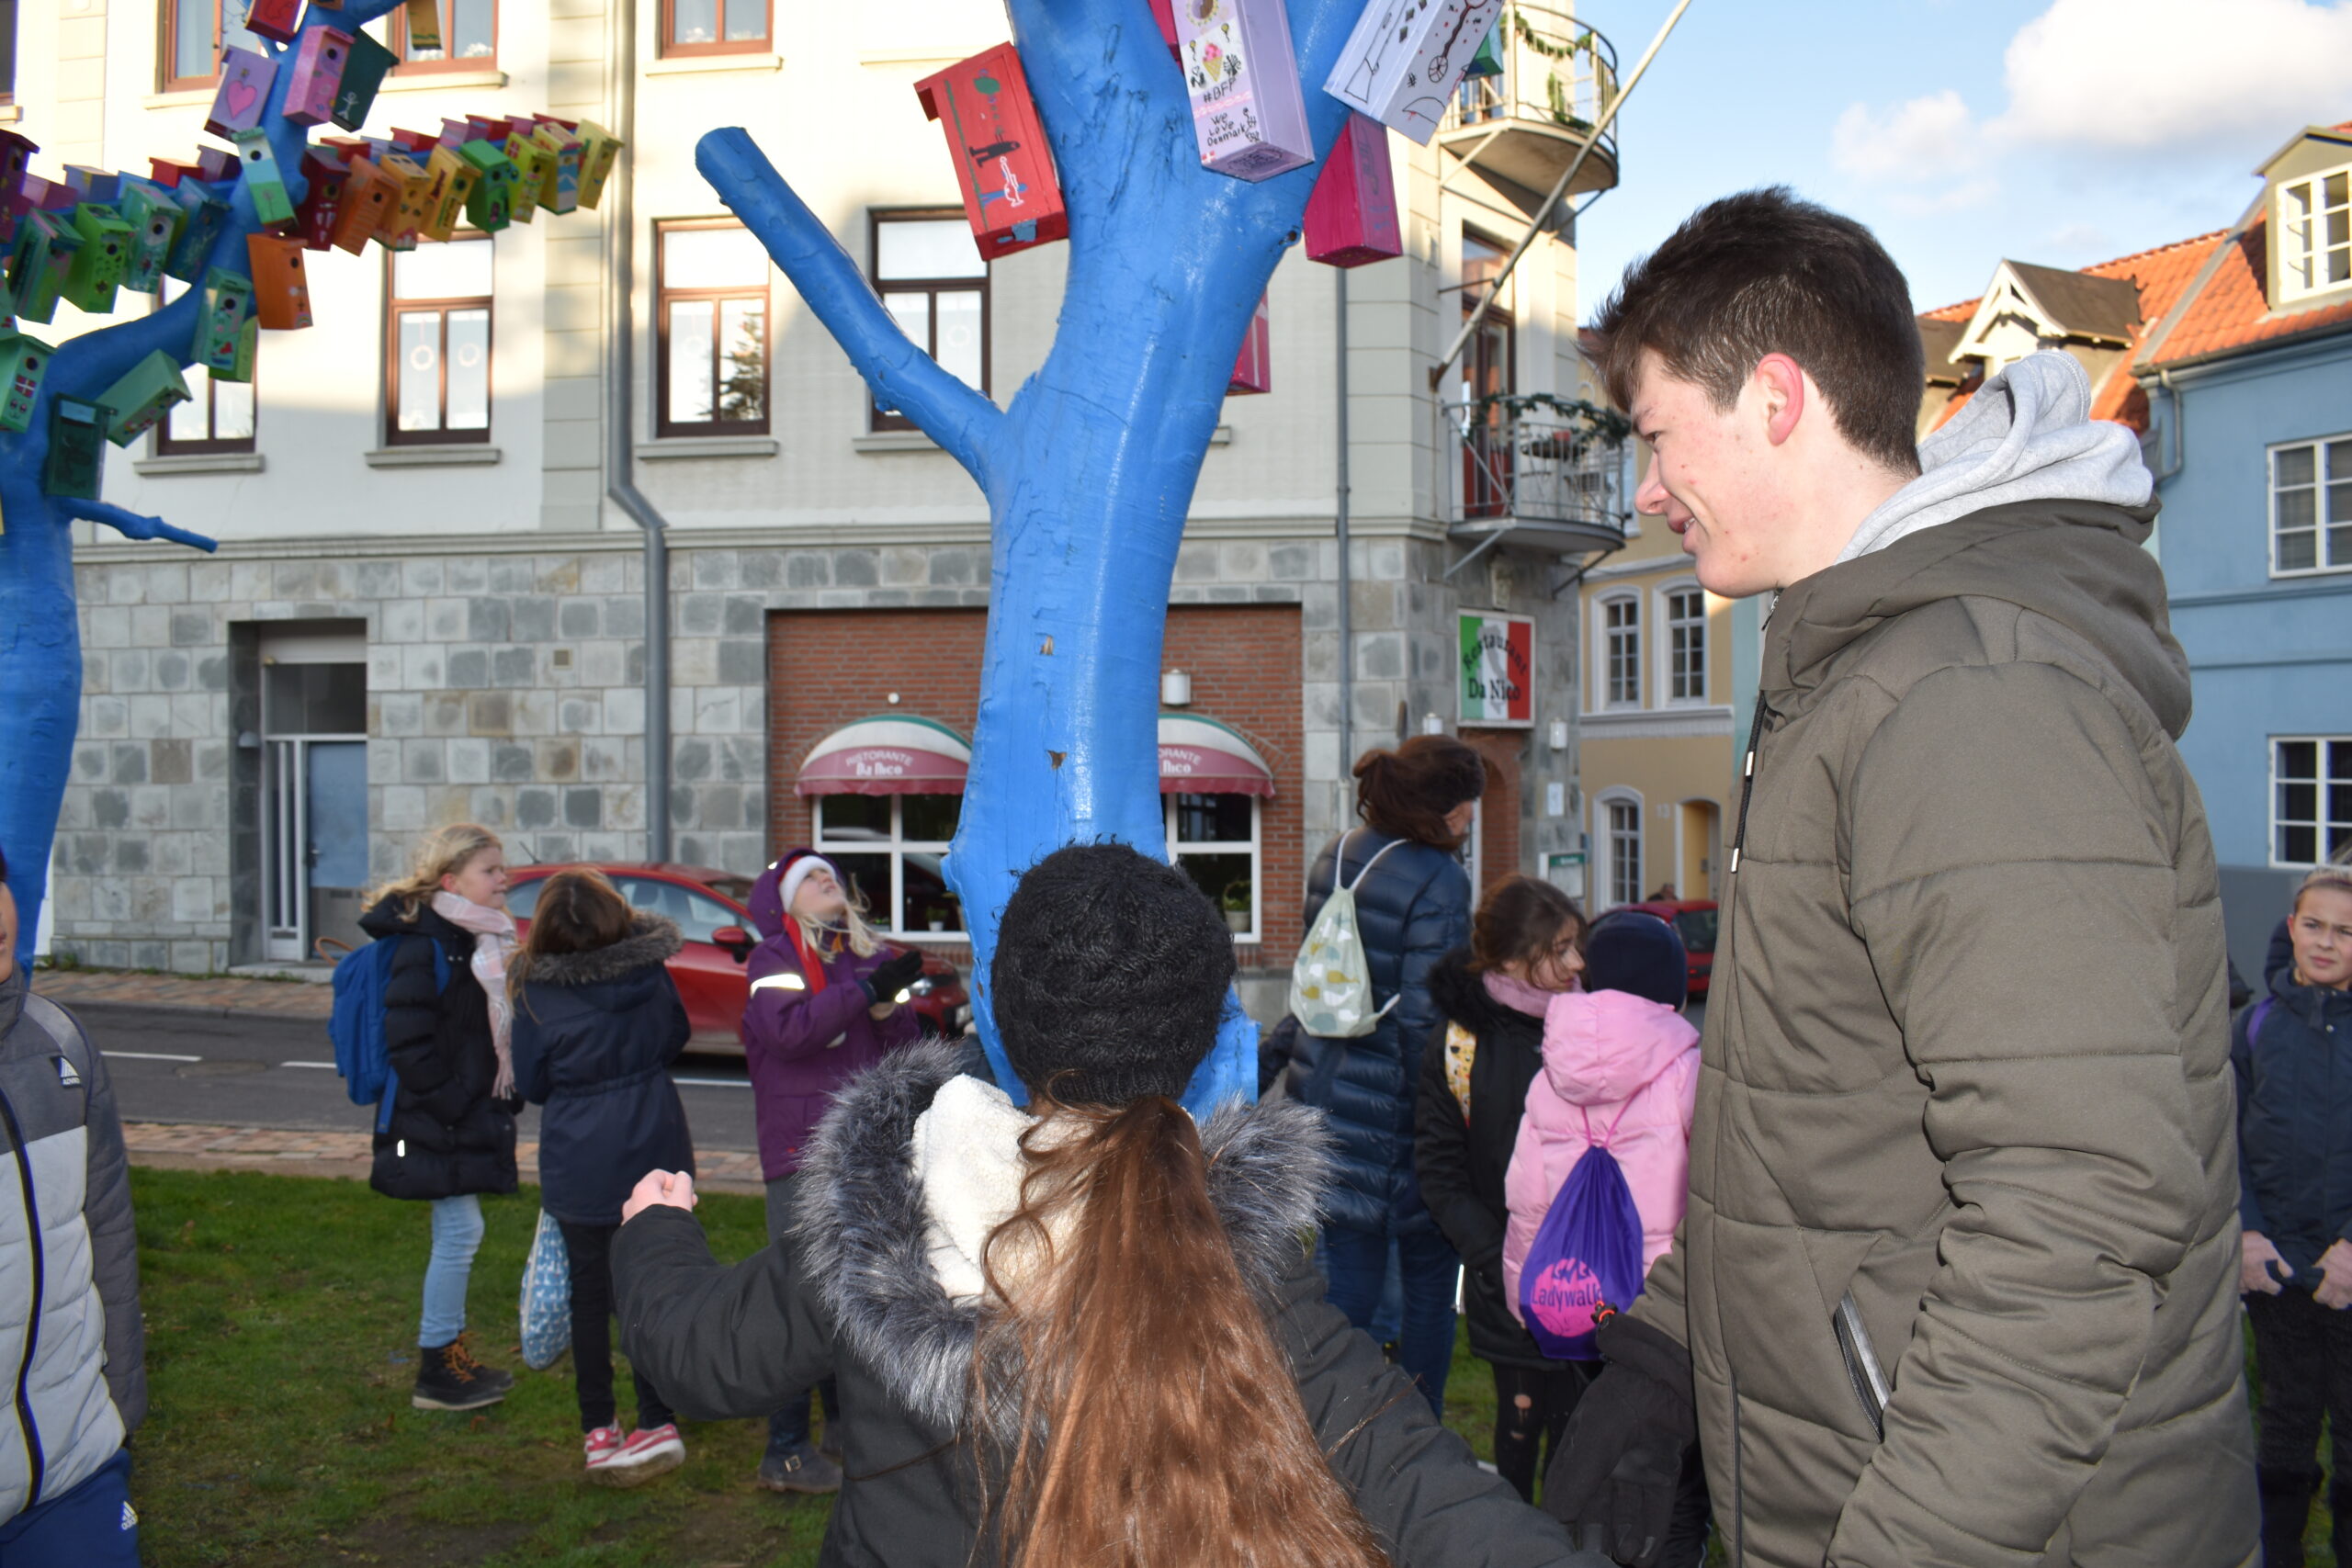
(221, 995)
(187, 1146)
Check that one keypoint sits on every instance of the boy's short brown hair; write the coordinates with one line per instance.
(1764, 272)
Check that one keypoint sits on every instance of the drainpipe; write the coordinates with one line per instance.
(2179, 430)
(1347, 640)
(620, 427)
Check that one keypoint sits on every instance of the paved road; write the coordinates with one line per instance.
(253, 1070)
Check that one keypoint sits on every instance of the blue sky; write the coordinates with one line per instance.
(2058, 131)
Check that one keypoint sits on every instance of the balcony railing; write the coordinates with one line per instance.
(1527, 122)
(1549, 474)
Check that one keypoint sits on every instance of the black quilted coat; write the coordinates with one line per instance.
(1411, 909)
(448, 1136)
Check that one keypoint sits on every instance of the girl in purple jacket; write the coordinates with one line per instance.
(827, 1002)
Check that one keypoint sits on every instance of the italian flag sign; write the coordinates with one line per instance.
(1497, 669)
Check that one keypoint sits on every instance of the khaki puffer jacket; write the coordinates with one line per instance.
(1965, 1126)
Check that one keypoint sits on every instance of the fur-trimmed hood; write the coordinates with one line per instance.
(654, 939)
(863, 1223)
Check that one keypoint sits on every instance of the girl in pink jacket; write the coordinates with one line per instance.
(1621, 1064)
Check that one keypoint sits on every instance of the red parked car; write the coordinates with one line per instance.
(710, 908)
(1693, 920)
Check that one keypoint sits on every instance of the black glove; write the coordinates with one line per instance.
(1619, 1467)
(893, 976)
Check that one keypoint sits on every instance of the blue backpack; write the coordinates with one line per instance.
(1586, 1260)
(356, 1026)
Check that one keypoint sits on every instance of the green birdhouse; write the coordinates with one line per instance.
(78, 449)
(155, 221)
(272, 206)
(248, 350)
(23, 361)
(491, 206)
(98, 265)
(142, 396)
(228, 301)
(207, 216)
(44, 254)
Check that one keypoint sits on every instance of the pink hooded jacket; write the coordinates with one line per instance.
(1610, 1058)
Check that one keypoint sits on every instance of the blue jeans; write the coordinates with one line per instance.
(457, 1233)
(90, 1527)
(1357, 1269)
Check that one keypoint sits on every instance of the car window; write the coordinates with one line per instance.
(522, 898)
(697, 915)
(1698, 929)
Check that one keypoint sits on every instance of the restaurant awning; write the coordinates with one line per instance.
(887, 754)
(1200, 756)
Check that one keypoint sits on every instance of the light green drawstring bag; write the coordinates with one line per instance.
(1331, 981)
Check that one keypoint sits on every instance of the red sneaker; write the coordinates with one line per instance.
(642, 1456)
(603, 1446)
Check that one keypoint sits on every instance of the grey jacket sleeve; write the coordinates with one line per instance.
(114, 1241)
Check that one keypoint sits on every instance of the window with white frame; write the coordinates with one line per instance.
(1621, 652)
(1625, 851)
(2310, 506)
(2310, 797)
(1686, 644)
(891, 849)
(1212, 839)
(2315, 233)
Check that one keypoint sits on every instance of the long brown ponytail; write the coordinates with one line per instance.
(1158, 1423)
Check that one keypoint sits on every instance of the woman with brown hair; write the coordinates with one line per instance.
(1412, 909)
(1085, 1331)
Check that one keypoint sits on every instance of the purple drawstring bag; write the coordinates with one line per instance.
(1586, 1259)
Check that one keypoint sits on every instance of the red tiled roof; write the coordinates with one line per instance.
(1958, 312)
(2232, 311)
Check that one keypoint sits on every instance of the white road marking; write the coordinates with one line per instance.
(149, 1057)
(328, 1065)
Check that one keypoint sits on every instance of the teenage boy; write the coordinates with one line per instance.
(1958, 1283)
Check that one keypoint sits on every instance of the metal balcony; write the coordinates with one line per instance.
(1522, 127)
(1536, 478)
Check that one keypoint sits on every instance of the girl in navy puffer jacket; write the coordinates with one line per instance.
(597, 1022)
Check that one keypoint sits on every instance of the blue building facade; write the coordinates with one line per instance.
(2249, 383)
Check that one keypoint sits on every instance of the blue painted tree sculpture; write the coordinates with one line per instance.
(40, 650)
(1089, 473)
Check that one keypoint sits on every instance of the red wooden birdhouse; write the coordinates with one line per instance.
(1254, 370)
(998, 144)
(1351, 215)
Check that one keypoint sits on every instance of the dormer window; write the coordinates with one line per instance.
(2315, 233)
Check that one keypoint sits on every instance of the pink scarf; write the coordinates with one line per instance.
(493, 940)
(1516, 994)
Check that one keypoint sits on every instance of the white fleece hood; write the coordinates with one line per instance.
(2026, 435)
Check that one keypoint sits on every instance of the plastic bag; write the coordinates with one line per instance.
(547, 1297)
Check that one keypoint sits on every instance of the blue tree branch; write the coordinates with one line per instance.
(131, 525)
(902, 375)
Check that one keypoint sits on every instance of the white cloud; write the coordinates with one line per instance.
(2132, 75)
(1925, 139)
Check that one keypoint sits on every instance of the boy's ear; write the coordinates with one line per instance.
(1785, 394)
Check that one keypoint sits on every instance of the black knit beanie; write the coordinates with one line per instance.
(1112, 972)
(1635, 952)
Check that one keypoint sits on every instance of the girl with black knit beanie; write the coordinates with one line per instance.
(1081, 1329)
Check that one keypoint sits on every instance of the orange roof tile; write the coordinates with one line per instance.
(2232, 311)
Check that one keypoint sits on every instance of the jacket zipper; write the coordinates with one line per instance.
(1738, 1484)
(1747, 784)
(39, 1461)
(1860, 1355)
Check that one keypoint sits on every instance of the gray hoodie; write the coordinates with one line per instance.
(2027, 435)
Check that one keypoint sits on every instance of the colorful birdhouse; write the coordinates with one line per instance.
(23, 361)
(325, 174)
(16, 152)
(489, 208)
(600, 151)
(560, 185)
(1352, 213)
(169, 172)
(413, 143)
(228, 301)
(531, 162)
(1003, 167)
(142, 396)
(77, 447)
(46, 243)
(154, 219)
(96, 272)
(369, 195)
(364, 66)
(1254, 370)
(398, 228)
(279, 19)
(240, 369)
(246, 81)
(423, 19)
(1405, 57)
(1248, 113)
(454, 181)
(207, 216)
(281, 289)
(264, 183)
(91, 185)
(319, 61)
(215, 163)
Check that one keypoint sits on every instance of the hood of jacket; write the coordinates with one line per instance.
(1600, 1047)
(652, 939)
(767, 902)
(1462, 996)
(864, 1224)
(384, 918)
(2027, 435)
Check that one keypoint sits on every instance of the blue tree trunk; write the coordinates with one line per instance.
(40, 637)
(1089, 472)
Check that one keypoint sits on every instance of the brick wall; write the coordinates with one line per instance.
(827, 668)
(1501, 807)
